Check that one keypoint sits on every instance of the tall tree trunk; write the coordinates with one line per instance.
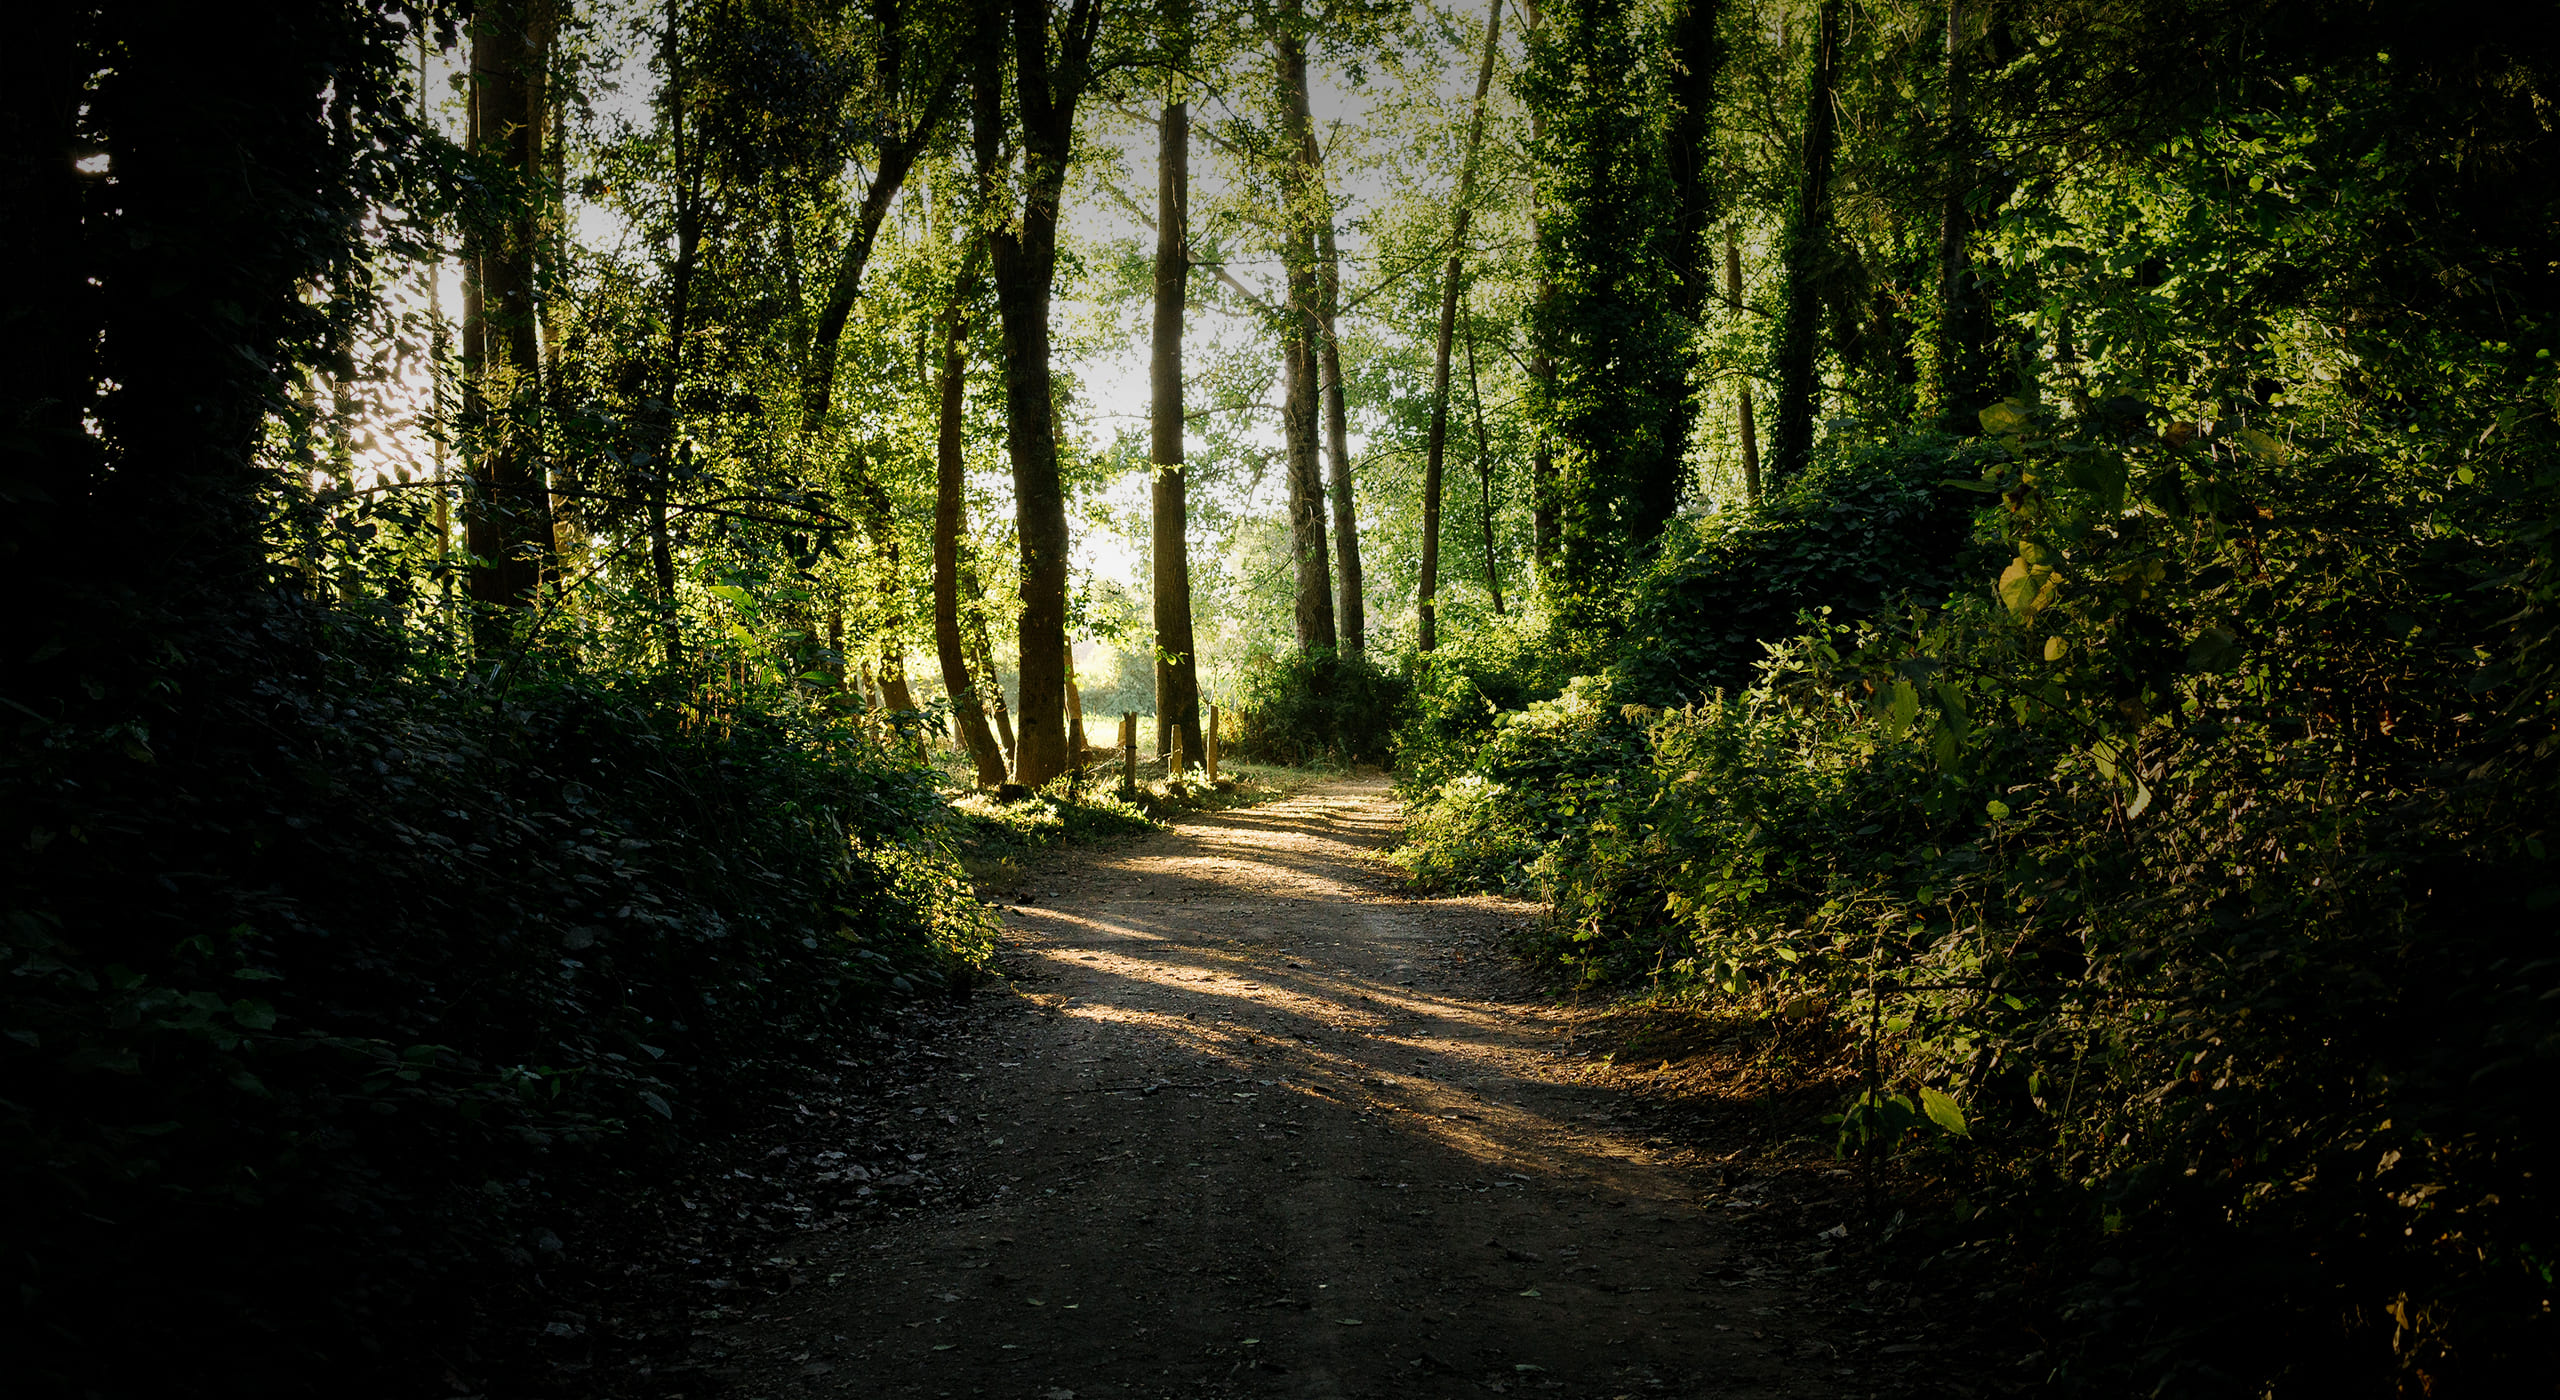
(1484, 472)
(1436, 445)
(1025, 255)
(1544, 527)
(1300, 414)
(1742, 394)
(657, 411)
(1313, 608)
(1696, 55)
(1696, 51)
(1075, 710)
(1351, 614)
(1956, 343)
(1805, 249)
(510, 506)
(1177, 669)
(950, 510)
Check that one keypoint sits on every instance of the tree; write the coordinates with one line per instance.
(1300, 335)
(1611, 321)
(1804, 249)
(1437, 444)
(914, 112)
(1351, 612)
(507, 514)
(1176, 661)
(1047, 87)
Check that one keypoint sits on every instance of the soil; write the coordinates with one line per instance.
(1254, 1120)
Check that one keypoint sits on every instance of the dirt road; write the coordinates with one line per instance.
(1257, 1123)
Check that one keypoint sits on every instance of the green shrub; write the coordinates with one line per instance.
(2165, 879)
(1854, 535)
(1461, 689)
(1317, 707)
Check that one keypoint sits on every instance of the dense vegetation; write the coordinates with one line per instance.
(2019, 534)
(2131, 727)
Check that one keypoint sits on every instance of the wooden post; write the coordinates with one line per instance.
(1211, 744)
(1129, 754)
(1173, 762)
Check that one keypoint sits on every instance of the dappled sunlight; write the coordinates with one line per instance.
(1182, 997)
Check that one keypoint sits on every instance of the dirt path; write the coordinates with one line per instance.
(1257, 1123)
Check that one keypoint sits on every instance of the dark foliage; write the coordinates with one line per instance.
(1853, 536)
(311, 995)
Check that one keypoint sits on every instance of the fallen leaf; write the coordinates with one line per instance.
(1531, 1293)
(1349, 1321)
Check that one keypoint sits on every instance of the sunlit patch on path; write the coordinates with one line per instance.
(1243, 1128)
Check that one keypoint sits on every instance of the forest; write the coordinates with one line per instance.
(2008, 542)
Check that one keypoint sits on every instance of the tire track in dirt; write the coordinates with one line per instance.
(1257, 1123)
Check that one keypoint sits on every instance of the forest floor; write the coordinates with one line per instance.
(1252, 1119)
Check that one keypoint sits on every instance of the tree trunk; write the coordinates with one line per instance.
(1313, 610)
(1484, 473)
(982, 659)
(1025, 254)
(1436, 445)
(950, 508)
(1299, 414)
(1544, 527)
(1733, 304)
(1177, 669)
(1957, 343)
(510, 507)
(1697, 55)
(1351, 615)
(897, 156)
(1805, 249)
(658, 413)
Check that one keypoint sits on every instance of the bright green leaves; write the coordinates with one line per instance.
(2026, 587)
(1878, 1119)
(2005, 419)
(1940, 1108)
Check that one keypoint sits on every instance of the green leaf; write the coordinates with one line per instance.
(2141, 800)
(1942, 1110)
(253, 1015)
(2005, 418)
(1902, 705)
(2263, 447)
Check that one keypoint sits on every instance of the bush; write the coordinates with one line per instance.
(1312, 707)
(1853, 535)
(2165, 879)
(319, 1000)
(1461, 689)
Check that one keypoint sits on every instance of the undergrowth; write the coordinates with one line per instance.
(324, 990)
(2178, 890)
